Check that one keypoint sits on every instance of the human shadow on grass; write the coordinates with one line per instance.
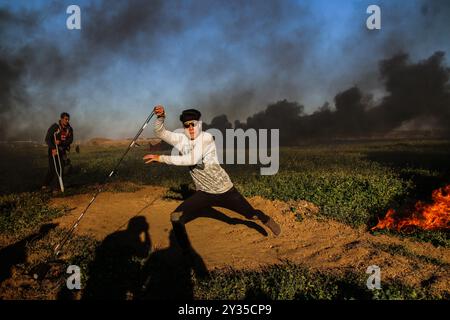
(212, 213)
(168, 273)
(16, 253)
(115, 271)
(181, 193)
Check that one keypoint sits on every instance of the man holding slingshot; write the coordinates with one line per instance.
(214, 187)
(59, 137)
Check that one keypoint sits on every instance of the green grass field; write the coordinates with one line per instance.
(352, 182)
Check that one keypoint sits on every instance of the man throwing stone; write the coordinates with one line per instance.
(212, 183)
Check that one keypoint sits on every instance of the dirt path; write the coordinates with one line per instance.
(318, 244)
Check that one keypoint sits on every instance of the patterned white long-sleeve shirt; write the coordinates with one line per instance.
(199, 154)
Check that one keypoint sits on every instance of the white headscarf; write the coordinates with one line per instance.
(197, 129)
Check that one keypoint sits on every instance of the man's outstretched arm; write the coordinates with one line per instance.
(192, 158)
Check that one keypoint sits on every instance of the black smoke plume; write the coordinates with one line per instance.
(39, 77)
(416, 93)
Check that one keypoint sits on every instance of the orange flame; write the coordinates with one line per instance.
(434, 216)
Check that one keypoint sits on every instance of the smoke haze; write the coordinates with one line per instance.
(329, 74)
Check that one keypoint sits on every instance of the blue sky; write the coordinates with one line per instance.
(231, 57)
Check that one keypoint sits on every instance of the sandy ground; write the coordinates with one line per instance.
(226, 239)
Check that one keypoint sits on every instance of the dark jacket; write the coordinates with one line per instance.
(65, 135)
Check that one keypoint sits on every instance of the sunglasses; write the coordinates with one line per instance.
(190, 124)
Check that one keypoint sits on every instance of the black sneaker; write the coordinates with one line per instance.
(273, 226)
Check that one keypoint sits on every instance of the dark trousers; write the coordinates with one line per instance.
(231, 199)
(50, 179)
